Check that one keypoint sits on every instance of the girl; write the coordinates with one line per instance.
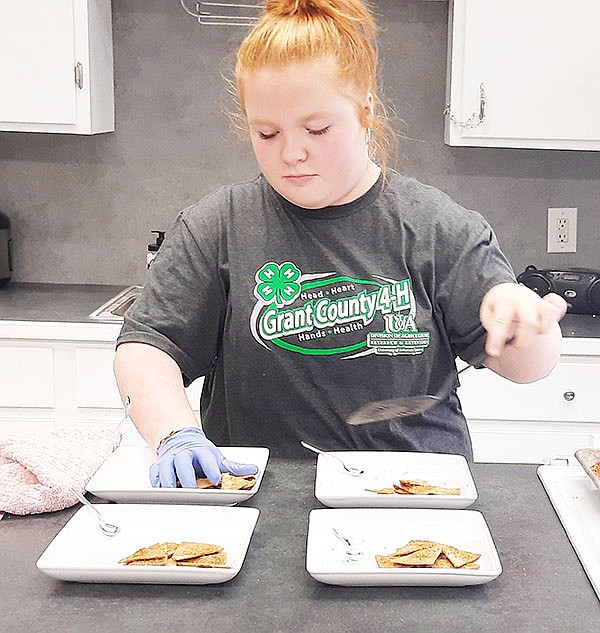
(327, 282)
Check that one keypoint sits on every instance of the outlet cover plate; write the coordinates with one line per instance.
(562, 230)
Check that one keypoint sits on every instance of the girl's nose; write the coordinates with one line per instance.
(293, 152)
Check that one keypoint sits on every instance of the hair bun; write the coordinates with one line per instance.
(283, 8)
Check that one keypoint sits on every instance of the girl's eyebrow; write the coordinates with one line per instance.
(315, 116)
(259, 122)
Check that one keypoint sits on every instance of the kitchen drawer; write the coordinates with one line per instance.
(523, 442)
(26, 376)
(570, 392)
(17, 424)
(96, 386)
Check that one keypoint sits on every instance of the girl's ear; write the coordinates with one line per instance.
(367, 111)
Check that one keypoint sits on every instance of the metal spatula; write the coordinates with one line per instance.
(400, 407)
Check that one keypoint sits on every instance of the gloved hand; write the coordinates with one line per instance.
(189, 454)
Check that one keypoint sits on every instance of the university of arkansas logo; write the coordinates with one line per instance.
(327, 314)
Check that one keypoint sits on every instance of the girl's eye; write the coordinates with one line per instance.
(264, 136)
(319, 132)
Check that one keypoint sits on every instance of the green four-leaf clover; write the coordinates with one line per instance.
(277, 283)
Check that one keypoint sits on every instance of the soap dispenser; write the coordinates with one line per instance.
(153, 248)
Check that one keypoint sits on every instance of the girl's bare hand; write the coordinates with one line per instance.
(514, 313)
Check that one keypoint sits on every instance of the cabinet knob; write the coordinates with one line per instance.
(569, 395)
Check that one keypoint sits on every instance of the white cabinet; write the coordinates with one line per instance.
(538, 65)
(538, 422)
(61, 374)
(56, 66)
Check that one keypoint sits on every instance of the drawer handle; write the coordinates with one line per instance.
(569, 395)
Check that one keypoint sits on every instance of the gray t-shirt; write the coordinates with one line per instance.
(296, 317)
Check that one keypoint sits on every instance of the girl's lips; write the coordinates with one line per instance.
(299, 177)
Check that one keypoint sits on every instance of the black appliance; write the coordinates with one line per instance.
(5, 254)
(580, 287)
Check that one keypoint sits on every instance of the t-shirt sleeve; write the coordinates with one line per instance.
(182, 307)
(469, 263)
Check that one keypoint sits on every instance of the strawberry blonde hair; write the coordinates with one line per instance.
(302, 30)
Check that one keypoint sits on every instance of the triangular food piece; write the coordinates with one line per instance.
(381, 491)
(228, 482)
(443, 562)
(170, 548)
(189, 549)
(231, 482)
(155, 562)
(212, 560)
(425, 489)
(413, 546)
(425, 556)
(459, 557)
(153, 552)
(384, 561)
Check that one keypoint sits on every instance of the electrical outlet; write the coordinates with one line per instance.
(562, 230)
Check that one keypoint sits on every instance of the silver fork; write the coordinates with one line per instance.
(108, 528)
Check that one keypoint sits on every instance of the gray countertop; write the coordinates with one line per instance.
(71, 303)
(75, 302)
(543, 587)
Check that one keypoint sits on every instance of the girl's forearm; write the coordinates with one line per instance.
(153, 382)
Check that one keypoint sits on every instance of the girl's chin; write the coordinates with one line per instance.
(304, 201)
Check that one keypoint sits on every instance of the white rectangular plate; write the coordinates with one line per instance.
(124, 478)
(81, 552)
(382, 531)
(337, 489)
(577, 503)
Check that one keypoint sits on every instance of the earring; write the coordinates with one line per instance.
(368, 135)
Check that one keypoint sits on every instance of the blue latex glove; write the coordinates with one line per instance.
(189, 454)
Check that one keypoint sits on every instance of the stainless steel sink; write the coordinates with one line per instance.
(114, 309)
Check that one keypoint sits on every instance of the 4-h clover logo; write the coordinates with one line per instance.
(277, 283)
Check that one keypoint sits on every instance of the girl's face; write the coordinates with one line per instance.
(307, 136)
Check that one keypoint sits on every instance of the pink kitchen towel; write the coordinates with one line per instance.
(37, 469)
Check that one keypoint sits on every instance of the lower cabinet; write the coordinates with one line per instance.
(48, 382)
(538, 422)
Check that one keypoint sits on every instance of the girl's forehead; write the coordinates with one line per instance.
(307, 78)
(322, 69)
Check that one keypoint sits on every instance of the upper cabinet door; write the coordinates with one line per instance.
(56, 66)
(524, 73)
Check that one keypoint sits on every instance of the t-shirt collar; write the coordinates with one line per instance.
(337, 211)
